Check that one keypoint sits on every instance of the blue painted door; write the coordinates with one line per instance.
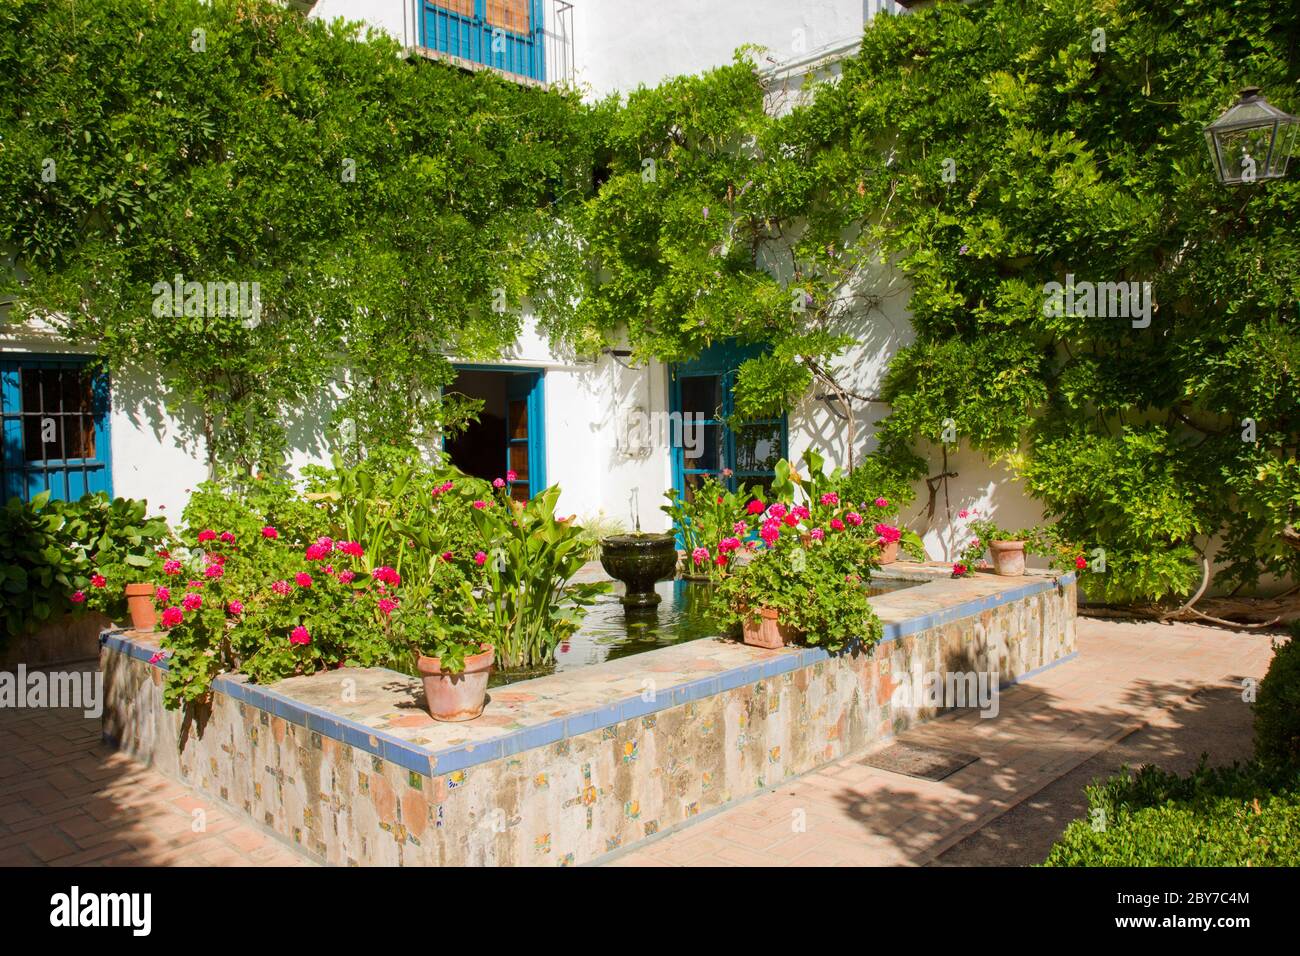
(54, 414)
(525, 434)
(510, 434)
(715, 443)
(506, 34)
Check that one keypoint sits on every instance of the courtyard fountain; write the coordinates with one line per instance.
(640, 560)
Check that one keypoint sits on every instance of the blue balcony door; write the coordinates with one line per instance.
(506, 34)
(714, 441)
(54, 414)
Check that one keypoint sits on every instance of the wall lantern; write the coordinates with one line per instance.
(1251, 141)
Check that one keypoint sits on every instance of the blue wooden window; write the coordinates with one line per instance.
(749, 450)
(54, 414)
(506, 34)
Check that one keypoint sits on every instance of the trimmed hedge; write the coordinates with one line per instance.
(1231, 816)
(1277, 706)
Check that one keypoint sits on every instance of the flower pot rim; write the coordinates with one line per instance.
(145, 587)
(1013, 544)
(432, 666)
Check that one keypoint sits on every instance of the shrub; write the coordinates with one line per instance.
(68, 556)
(1277, 706)
(1233, 816)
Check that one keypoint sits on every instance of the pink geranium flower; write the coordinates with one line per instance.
(511, 476)
(755, 507)
(270, 533)
(817, 533)
(158, 655)
(299, 635)
(853, 518)
(888, 533)
(728, 544)
(316, 552)
(1080, 562)
(214, 571)
(162, 595)
(282, 588)
(830, 498)
(235, 607)
(78, 597)
(387, 575)
(207, 535)
(192, 602)
(777, 510)
(740, 527)
(480, 557)
(97, 581)
(351, 548)
(837, 524)
(882, 502)
(346, 577)
(171, 567)
(172, 616)
(480, 504)
(700, 555)
(387, 606)
(959, 570)
(498, 483)
(302, 579)
(447, 555)
(227, 537)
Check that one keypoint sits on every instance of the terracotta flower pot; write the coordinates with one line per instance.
(767, 631)
(888, 551)
(139, 602)
(1008, 557)
(459, 696)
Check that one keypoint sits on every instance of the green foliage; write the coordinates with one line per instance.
(1277, 706)
(528, 559)
(1069, 159)
(1235, 816)
(60, 556)
(712, 514)
(818, 589)
(291, 152)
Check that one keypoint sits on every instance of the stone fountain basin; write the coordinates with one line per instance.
(639, 561)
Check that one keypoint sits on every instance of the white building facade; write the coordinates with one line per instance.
(600, 428)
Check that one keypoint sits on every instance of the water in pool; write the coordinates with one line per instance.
(608, 632)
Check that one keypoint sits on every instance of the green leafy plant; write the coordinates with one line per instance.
(527, 559)
(58, 557)
(1277, 706)
(1231, 816)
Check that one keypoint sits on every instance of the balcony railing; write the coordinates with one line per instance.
(528, 40)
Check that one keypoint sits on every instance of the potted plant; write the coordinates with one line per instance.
(888, 537)
(789, 591)
(140, 605)
(1007, 548)
(455, 681)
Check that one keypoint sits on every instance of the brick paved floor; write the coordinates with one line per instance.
(66, 799)
(1136, 693)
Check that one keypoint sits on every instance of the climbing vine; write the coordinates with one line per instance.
(384, 206)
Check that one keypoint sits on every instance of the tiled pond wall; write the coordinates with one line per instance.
(566, 768)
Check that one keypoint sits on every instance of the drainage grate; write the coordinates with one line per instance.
(914, 760)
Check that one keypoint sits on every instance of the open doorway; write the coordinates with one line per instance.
(509, 435)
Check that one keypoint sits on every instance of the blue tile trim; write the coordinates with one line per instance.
(412, 757)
